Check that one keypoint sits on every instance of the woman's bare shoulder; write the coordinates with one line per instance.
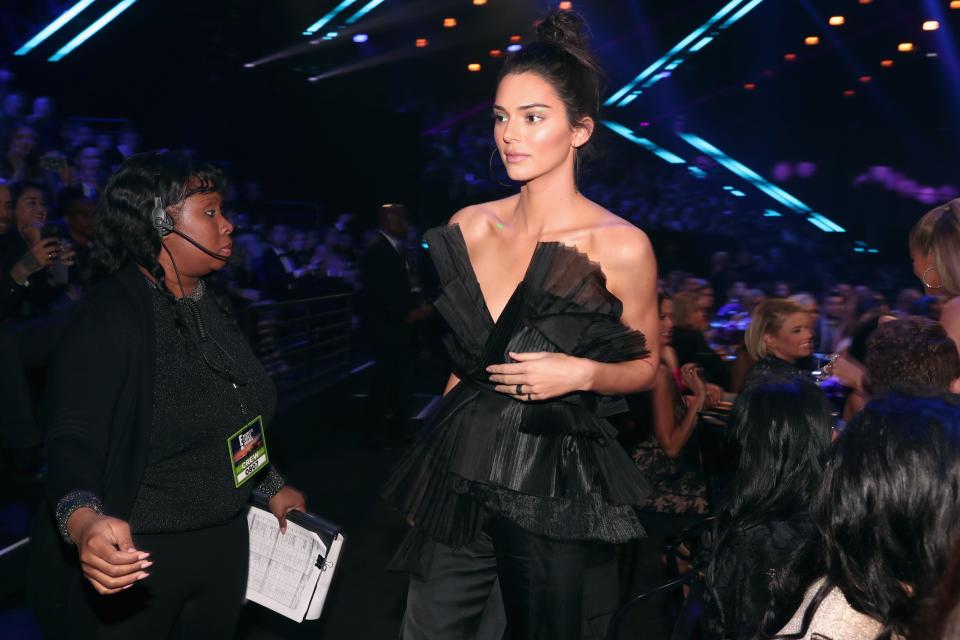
(618, 241)
(477, 219)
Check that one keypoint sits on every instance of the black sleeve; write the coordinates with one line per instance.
(11, 294)
(386, 284)
(86, 381)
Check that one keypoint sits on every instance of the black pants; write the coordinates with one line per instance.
(195, 589)
(551, 589)
(391, 394)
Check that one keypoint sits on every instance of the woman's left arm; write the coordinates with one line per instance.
(631, 269)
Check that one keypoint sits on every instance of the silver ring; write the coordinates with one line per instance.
(519, 389)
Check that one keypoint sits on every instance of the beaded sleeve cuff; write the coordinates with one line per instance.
(271, 483)
(71, 502)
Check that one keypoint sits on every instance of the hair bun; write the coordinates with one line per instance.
(563, 28)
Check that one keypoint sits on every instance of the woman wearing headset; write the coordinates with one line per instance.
(154, 399)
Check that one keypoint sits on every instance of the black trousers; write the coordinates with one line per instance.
(550, 589)
(195, 589)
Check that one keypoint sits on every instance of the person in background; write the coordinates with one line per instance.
(30, 286)
(392, 313)
(78, 212)
(885, 520)
(779, 336)
(150, 379)
(783, 429)
(935, 252)
(690, 341)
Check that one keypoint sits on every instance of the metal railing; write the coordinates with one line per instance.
(305, 344)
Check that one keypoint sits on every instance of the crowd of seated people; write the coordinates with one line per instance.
(817, 535)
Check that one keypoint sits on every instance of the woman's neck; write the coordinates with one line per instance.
(180, 287)
(547, 203)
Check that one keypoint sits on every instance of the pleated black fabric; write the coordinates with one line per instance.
(553, 467)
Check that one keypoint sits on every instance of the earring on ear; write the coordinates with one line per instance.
(576, 169)
(923, 279)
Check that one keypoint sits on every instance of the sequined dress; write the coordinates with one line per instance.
(552, 467)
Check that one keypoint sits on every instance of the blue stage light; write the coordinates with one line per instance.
(514, 48)
(53, 27)
(367, 8)
(333, 13)
(770, 213)
(660, 152)
(679, 53)
(88, 33)
(360, 37)
(738, 193)
(762, 184)
(697, 172)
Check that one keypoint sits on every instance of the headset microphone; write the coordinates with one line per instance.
(164, 226)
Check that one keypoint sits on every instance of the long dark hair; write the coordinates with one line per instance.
(559, 53)
(884, 517)
(783, 429)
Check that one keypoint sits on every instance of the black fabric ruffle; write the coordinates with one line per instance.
(553, 467)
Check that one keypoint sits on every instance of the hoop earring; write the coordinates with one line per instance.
(493, 176)
(923, 279)
(576, 169)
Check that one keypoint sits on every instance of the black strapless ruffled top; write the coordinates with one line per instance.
(552, 467)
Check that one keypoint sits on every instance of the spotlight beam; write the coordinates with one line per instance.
(692, 43)
(89, 32)
(53, 27)
(751, 176)
(656, 150)
(333, 13)
(367, 8)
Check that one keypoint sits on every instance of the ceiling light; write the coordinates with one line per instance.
(473, 66)
(449, 23)
(905, 47)
(811, 41)
(886, 64)
(790, 57)
(422, 42)
(837, 21)
(360, 37)
(931, 25)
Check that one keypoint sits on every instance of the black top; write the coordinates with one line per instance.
(772, 366)
(739, 581)
(691, 346)
(552, 467)
(187, 482)
(98, 415)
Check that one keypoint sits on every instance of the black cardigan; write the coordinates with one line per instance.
(98, 417)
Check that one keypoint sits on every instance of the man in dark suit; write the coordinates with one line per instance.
(392, 311)
(273, 270)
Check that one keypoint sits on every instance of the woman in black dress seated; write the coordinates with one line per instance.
(517, 480)
(153, 399)
(667, 420)
(783, 428)
(779, 335)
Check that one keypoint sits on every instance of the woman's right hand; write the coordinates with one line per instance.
(108, 558)
(690, 373)
(41, 254)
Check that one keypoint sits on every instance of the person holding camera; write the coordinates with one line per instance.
(35, 259)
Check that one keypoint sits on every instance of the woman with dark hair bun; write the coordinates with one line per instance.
(885, 517)
(151, 379)
(517, 484)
